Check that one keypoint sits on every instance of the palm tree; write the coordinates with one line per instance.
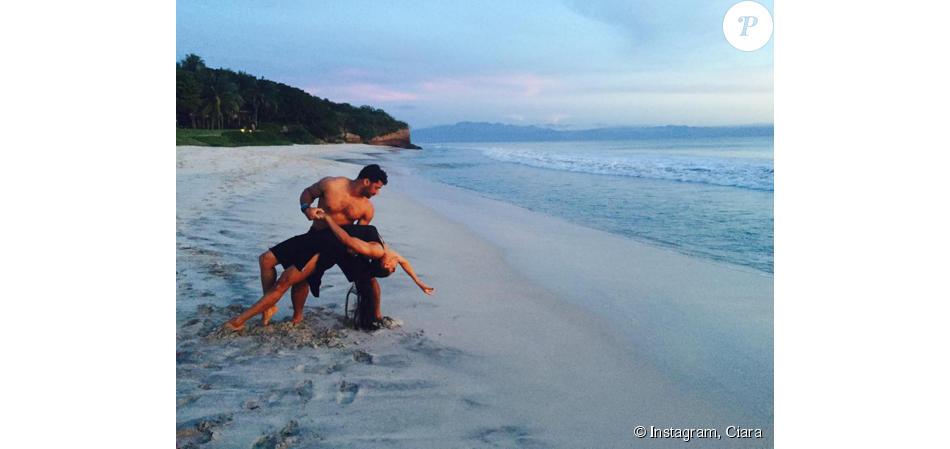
(192, 63)
(187, 94)
(265, 97)
(221, 98)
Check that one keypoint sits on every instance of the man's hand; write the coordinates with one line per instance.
(314, 213)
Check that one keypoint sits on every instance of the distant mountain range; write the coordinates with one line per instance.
(497, 132)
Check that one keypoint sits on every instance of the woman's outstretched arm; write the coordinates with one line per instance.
(412, 273)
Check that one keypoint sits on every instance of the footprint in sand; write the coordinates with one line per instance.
(508, 436)
(363, 357)
(334, 368)
(285, 437)
(408, 385)
(299, 394)
(304, 390)
(200, 431)
(392, 361)
(471, 403)
(434, 351)
(188, 356)
(185, 401)
(347, 393)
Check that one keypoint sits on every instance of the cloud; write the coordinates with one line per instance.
(512, 84)
(353, 72)
(373, 92)
(636, 18)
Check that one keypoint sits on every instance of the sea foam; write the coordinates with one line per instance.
(732, 172)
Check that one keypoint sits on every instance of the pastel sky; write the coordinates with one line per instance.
(563, 63)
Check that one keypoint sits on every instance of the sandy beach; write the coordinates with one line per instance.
(540, 334)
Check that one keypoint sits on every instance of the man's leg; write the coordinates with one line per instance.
(298, 295)
(369, 297)
(368, 314)
(287, 279)
(268, 262)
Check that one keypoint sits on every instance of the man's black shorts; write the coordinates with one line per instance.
(298, 251)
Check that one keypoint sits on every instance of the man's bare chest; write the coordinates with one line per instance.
(343, 204)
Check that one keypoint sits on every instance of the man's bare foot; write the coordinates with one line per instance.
(296, 319)
(233, 327)
(268, 314)
(382, 323)
(389, 323)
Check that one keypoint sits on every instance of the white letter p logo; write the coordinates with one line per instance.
(738, 22)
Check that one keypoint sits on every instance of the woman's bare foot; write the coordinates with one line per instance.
(296, 319)
(268, 314)
(234, 327)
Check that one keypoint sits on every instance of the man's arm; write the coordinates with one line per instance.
(309, 196)
(404, 263)
(363, 248)
(368, 216)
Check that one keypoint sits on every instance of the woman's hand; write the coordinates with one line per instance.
(318, 214)
(313, 212)
(428, 290)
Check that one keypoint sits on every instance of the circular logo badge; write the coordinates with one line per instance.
(747, 26)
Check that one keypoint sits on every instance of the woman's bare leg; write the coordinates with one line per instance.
(288, 278)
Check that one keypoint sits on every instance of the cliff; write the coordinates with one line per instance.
(350, 138)
(399, 139)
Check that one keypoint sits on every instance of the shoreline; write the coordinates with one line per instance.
(638, 239)
(630, 190)
(508, 360)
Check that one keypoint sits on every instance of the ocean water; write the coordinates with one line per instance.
(708, 198)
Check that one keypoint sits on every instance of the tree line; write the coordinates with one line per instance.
(209, 98)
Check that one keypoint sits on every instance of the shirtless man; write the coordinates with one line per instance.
(345, 201)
